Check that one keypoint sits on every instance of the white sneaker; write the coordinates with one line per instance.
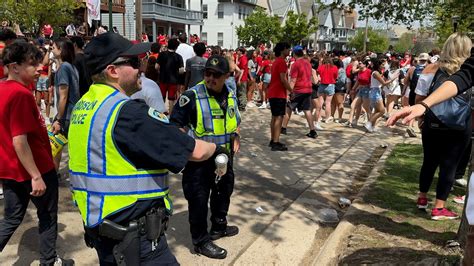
(263, 106)
(461, 182)
(329, 120)
(1, 193)
(369, 127)
(251, 105)
(318, 126)
(336, 120)
(301, 113)
(459, 199)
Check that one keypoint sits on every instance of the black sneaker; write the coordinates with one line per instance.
(211, 250)
(271, 143)
(283, 130)
(312, 134)
(60, 261)
(229, 231)
(278, 146)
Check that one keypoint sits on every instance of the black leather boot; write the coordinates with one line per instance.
(228, 231)
(211, 250)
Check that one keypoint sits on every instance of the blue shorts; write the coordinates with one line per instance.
(42, 84)
(375, 95)
(328, 89)
(363, 92)
(253, 74)
(266, 78)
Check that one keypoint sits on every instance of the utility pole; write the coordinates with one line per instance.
(138, 18)
(110, 16)
(365, 35)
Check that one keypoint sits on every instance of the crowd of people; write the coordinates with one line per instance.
(178, 104)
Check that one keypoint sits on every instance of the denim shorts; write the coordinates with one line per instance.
(363, 92)
(266, 78)
(375, 95)
(328, 89)
(42, 84)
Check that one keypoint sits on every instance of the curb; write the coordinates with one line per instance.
(329, 252)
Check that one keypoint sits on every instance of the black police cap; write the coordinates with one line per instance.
(217, 63)
(105, 48)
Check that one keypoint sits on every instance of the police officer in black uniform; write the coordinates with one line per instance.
(148, 141)
(199, 182)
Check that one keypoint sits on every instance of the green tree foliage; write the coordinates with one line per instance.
(297, 28)
(405, 43)
(259, 28)
(443, 23)
(376, 41)
(31, 14)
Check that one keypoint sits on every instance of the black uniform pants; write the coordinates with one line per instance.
(160, 256)
(443, 148)
(198, 185)
(17, 196)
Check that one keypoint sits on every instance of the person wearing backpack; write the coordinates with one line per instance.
(446, 130)
(411, 80)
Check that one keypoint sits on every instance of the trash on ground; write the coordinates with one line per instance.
(344, 202)
(259, 209)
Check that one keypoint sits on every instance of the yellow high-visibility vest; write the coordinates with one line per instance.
(103, 181)
(213, 124)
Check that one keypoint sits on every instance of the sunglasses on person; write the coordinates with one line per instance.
(134, 62)
(216, 75)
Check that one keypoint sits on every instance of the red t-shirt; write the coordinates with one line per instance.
(2, 71)
(266, 67)
(244, 65)
(19, 115)
(259, 60)
(47, 30)
(328, 74)
(364, 77)
(275, 88)
(349, 71)
(301, 71)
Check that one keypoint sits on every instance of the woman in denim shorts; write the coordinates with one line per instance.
(375, 95)
(362, 88)
(42, 85)
(328, 74)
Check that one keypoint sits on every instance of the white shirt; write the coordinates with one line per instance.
(185, 51)
(71, 30)
(151, 93)
(423, 84)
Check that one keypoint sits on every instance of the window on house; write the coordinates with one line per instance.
(220, 11)
(343, 33)
(240, 12)
(220, 39)
(204, 11)
(336, 33)
(204, 37)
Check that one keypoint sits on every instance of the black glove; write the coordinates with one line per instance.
(219, 150)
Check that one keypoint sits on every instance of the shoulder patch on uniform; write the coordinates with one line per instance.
(157, 115)
(231, 111)
(183, 100)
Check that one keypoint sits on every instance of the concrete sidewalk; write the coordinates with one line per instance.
(278, 202)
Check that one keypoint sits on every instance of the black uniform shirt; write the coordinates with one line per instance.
(149, 143)
(185, 112)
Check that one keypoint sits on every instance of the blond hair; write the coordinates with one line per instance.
(456, 50)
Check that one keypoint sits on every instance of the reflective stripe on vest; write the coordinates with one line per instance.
(207, 128)
(107, 182)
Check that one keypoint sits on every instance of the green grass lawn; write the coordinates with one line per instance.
(396, 191)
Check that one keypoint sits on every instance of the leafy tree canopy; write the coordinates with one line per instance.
(31, 14)
(259, 28)
(297, 28)
(376, 42)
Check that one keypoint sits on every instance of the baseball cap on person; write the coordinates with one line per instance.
(297, 48)
(424, 56)
(104, 49)
(217, 63)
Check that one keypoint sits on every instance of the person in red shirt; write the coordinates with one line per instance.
(277, 94)
(328, 75)
(242, 79)
(264, 71)
(300, 82)
(48, 30)
(27, 168)
(362, 87)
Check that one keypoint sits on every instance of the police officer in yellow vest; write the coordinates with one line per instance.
(120, 153)
(210, 112)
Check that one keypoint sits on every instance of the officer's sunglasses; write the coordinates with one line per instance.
(216, 75)
(134, 62)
